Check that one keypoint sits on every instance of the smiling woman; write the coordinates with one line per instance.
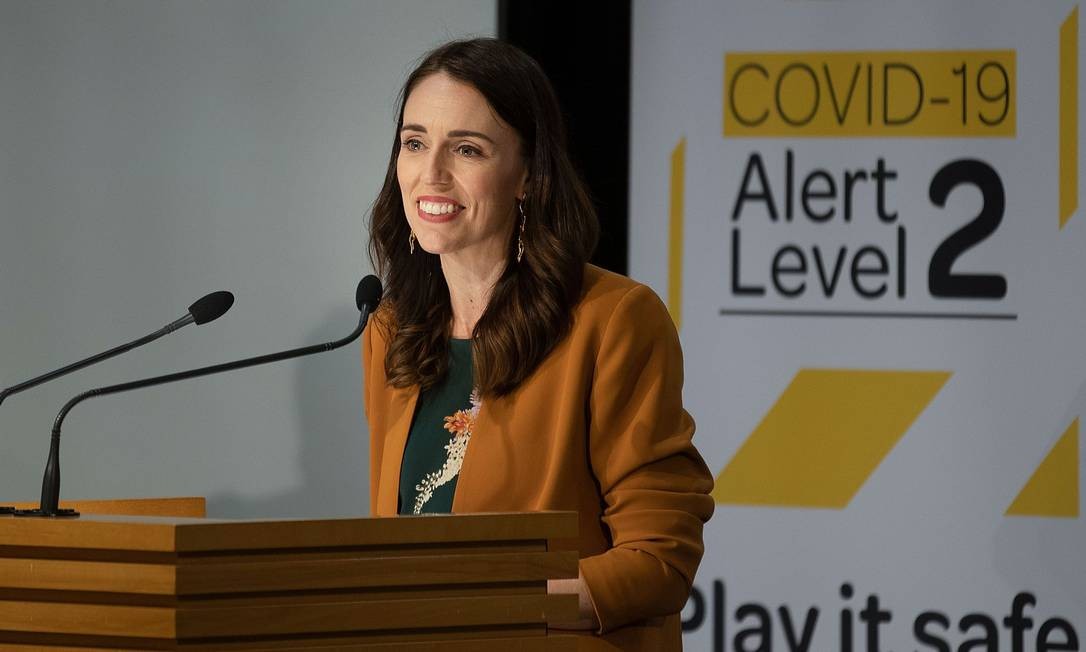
(461, 172)
(504, 373)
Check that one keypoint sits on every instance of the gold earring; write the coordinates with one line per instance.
(520, 236)
(411, 242)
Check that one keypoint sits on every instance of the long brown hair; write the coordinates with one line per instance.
(531, 306)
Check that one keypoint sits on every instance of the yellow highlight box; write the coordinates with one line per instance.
(947, 93)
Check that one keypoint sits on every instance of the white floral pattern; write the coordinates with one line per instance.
(460, 425)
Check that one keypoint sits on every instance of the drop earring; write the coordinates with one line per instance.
(520, 236)
(411, 242)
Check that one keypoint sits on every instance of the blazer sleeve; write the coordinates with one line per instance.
(653, 481)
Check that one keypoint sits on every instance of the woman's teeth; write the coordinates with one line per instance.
(435, 208)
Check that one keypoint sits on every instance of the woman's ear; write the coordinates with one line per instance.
(522, 187)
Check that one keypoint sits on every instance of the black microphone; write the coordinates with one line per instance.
(206, 309)
(367, 296)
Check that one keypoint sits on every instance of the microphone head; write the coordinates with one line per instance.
(211, 307)
(368, 293)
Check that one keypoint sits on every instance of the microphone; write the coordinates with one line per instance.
(204, 310)
(367, 297)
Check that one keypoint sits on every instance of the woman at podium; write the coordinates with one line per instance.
(505, 373)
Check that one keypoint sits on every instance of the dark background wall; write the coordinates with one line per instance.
(585, 49)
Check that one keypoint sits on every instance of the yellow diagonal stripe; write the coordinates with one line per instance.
(675, 235)
(824, 436)
(1069, 117)
(1052, 490)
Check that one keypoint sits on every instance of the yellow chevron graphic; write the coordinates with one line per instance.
(824, 437)
(1069, 117)
(1052, 490)
(675, 234)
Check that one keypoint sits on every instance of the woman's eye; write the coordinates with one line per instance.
(412, 144)
(468, 150)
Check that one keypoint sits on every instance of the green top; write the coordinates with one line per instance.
(425, 452)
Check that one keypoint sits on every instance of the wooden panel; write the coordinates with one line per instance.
(253, 535)
(106, 532)
(380, 595)
(122, 581)
(158, 579)
(176, 534)
(185, 506)
(359, 552)
(62, 643)
(539, 643)
(274, 598)
(283, 618)
(67, 618)
(244, 556)
(88, 597)
(382, 639)
(373, 572)
(373, 615)
(495, 642)
(12, 647)
(88, 554)
(61, 575)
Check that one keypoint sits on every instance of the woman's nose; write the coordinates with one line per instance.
(437, 171)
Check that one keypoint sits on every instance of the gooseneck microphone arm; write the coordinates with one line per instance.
(204, 371)
(204, 310)
(76, 366)
(367, 296)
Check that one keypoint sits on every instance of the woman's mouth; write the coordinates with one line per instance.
(438, 209)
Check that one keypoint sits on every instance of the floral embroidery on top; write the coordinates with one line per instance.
(460, 425)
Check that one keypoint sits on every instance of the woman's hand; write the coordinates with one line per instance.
(586, 611)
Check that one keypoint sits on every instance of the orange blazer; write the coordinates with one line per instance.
(599, 429)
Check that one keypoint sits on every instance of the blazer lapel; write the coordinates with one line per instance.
(473, 484)
(401, 408)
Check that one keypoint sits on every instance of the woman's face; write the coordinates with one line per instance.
(461, 171)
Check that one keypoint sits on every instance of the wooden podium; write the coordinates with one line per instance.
(453, 583)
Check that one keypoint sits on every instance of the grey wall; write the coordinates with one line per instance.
(151, 152)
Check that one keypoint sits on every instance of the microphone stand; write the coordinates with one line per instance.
(208, 308)
(76, 366)
(50, 489)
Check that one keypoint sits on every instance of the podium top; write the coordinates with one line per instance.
(200, 535)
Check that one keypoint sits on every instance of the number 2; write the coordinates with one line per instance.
(941, 281)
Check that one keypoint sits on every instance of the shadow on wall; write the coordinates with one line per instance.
(334, 446)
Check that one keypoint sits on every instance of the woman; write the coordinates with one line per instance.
(506, 374)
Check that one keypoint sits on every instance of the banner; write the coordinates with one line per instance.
(864, 219)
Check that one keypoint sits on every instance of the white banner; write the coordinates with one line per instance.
(864, 218)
